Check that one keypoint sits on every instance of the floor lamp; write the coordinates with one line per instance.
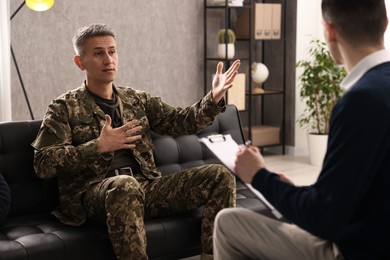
(36, 5)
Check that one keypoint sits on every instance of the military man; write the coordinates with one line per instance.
(96, 141)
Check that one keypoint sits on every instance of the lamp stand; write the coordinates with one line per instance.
(17, 67)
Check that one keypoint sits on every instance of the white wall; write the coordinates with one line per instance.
(5, 62)
(387, 34)
(309, 22)
(309, 25)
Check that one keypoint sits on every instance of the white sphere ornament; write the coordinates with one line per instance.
(260, 72)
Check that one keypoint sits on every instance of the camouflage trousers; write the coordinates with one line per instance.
(123, 202)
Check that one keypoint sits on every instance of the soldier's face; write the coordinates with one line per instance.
(100, 59)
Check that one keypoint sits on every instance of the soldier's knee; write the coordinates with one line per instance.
(223, 171)
(124, 185)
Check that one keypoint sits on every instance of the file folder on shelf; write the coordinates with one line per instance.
(266, 20)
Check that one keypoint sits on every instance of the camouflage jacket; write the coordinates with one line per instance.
(66, 144)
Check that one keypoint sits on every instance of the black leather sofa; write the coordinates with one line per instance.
(31, 232)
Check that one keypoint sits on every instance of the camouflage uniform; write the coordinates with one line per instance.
(66, 148)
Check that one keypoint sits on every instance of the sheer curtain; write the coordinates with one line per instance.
(5, 62)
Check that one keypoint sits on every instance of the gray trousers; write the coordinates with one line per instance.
(244, 234)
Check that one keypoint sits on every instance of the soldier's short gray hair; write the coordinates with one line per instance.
(88, 31)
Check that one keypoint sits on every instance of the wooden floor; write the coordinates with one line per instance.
(296, 168)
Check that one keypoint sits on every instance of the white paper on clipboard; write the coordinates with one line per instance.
(225, 148)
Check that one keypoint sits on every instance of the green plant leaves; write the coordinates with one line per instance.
(320, 87)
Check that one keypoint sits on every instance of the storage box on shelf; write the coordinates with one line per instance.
(263, 135)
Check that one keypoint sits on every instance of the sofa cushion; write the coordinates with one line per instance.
(29, 194)
(5, 199)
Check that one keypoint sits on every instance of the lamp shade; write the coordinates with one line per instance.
(39, 5)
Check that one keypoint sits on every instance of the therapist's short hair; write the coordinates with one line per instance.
(357, 21)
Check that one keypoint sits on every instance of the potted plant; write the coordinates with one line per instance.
(320, 90)
(226, 40)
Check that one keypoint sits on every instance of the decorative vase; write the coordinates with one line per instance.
(317, 148)
(222, 50)
(260, 72)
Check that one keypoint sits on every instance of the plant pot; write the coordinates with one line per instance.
(221, 51)
(317, 148)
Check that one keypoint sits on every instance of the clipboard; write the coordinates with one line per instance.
(225, 149)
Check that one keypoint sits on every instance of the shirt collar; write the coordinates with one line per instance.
(363, 66)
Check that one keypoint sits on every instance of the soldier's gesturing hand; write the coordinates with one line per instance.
(113, 139)
(223, 81)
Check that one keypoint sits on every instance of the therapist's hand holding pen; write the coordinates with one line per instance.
(250, 161)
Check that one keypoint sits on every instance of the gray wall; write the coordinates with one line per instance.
(160, 49)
